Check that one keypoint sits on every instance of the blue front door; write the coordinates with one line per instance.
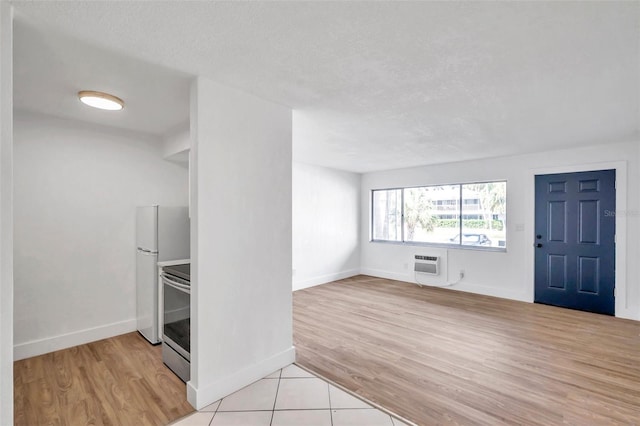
(575, 240)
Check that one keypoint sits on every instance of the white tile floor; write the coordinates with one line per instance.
(289, 397)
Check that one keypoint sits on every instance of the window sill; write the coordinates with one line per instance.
(442, 246)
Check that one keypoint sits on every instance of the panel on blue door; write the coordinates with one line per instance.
(558, 187)
(557, 221)
(589, 222)
(590, 185)
(588, 274)
(557, 271)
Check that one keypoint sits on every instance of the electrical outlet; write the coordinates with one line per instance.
(406, 266)
(293, 272)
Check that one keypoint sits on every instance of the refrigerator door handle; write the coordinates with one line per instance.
(147, 252)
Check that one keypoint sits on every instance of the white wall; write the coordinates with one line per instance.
(241, 318)
(76, 190)
(176, 145)
(510, 274)
(6, 214)
(326, 217)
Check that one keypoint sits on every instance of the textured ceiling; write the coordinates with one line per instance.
(380, 85)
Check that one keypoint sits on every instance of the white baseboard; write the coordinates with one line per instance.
(323, 279)
(68, 340)
(379, 273)
(522, 295)
(627, 314)
(492, 291)
(209, 393)
(463, 286)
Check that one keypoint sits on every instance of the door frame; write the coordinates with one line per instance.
(621, 300)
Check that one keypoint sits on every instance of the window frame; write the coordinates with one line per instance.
(458, 212)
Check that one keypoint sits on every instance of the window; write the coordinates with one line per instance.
(387, 215)
(472, 214)
(423, 213)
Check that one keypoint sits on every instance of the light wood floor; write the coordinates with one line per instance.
(438, 356)
(117, 381)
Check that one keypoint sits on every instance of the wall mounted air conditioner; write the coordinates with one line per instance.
(429, 265)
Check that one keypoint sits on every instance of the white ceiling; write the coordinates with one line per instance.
(50, 68)
(381, 85)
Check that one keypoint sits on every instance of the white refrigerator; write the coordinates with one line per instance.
(162, 233)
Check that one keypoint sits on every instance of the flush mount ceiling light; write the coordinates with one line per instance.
(100, 100)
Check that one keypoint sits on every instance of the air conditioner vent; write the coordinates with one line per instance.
(431, 258)
(429, 265)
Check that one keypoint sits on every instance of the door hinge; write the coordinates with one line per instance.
(615, 184)
(614, 292)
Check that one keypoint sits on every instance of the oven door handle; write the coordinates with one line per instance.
(178, 286)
